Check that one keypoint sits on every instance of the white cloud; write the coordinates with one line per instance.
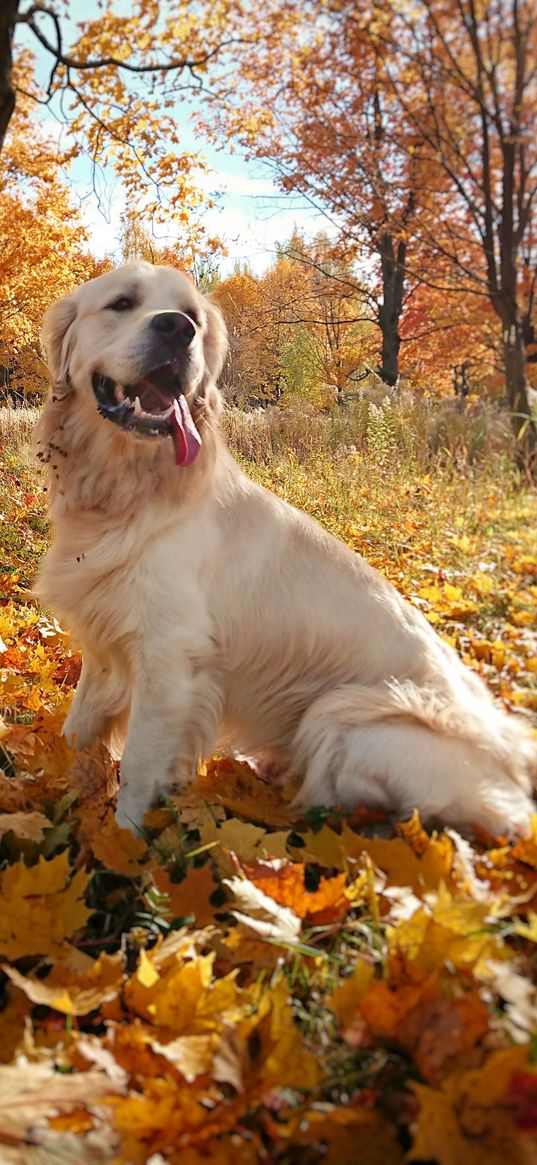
(236, 185)
(251, 217)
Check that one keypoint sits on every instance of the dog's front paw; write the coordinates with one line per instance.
(130, 809)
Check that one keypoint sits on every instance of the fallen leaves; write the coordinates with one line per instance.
(33, 1094)
(470, 1118)
(242, 985)
(43, 906)
(27, 826)
(74, 992)
(284, 882)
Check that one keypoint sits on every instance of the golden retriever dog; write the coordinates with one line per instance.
(211, 614)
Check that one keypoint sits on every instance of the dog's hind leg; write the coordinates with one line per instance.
(101, 696)
(399, 748)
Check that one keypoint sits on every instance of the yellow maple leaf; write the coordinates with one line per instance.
(422, 868)
(271, 1049)
(447, 929)
(347, 998)
(184, 997)
(71, 993)
(118, 849)
(42, 906)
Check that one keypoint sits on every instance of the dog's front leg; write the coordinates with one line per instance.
(174, 718)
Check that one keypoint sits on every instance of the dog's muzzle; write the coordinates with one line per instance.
(154, 406)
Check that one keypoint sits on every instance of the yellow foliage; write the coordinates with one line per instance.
(243, 982)
(43, 906)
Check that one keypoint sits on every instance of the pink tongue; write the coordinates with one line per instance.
(186, 438)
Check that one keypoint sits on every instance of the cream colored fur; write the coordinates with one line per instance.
(212, 613)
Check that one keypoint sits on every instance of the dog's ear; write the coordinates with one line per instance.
(215, 342)
(57, 338)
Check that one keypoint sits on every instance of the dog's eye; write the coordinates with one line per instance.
(123, 303)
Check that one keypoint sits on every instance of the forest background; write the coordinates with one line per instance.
(408, 130)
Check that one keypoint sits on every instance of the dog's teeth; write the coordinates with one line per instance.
(137, 406)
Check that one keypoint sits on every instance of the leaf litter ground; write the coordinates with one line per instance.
(241, 985)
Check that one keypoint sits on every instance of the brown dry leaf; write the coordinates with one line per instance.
(349, 1135)
(284, 882)
(191, 895)
(472, 1119)
(43, 906)
(72, 993)
(234, 784)
(29, 826)
(440, 1032)
(12, 1024)
(32, 1092)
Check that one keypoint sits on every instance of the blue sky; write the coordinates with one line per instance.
(251, 215)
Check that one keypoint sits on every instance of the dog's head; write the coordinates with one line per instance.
(143, 348)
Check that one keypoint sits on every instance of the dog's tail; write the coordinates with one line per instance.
(401, 746)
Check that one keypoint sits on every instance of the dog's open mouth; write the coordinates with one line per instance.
(154, 406)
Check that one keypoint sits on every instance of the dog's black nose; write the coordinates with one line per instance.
(173, 325)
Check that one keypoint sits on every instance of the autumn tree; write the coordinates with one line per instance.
(411, 127)
(323, 120)
(252, 366)
(300, 330)
(43, 246)
(115, 82)
(449, 344)
(466, 83)
(333, 310)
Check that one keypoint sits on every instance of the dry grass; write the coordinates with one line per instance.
(421, 431)
(16, 428)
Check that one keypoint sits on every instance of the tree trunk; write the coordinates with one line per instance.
(8, 13)
(393, 280)
(514, 350)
